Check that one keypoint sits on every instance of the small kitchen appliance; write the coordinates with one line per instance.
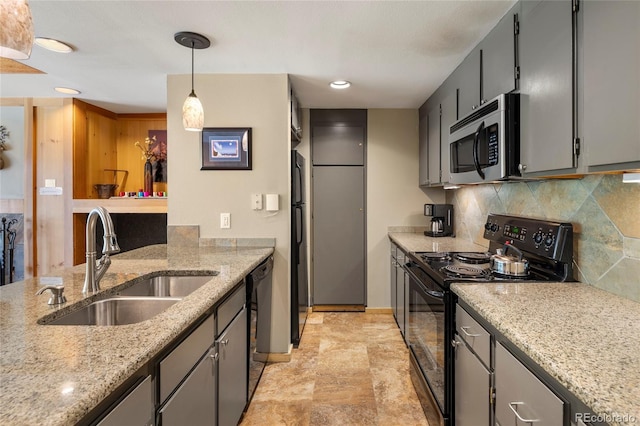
(520, 250)
(441, 220)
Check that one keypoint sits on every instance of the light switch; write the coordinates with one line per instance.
(49, 183)
(256, 201)
(225, 220)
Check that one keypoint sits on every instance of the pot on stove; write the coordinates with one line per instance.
(505, 264)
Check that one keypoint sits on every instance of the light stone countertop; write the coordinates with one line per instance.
(54, 375)
(417, 241)
(584, 337)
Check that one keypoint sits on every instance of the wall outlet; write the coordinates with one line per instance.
(256, 201)
(225, 220)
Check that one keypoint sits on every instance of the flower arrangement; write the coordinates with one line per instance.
(147, 150)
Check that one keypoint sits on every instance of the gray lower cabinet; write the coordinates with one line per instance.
(521, 398)
(611, 93)
(401, 293)
(136, 409)
(473, 378)
(393, 281)
(194, 401)
(232, 371)
(546, 101)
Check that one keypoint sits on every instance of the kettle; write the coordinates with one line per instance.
(437, 225)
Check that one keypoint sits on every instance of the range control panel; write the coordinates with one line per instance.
(541, 237)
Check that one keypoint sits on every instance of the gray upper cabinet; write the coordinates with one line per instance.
(489, 70)
(498, 57)
(545, 44)
(434, 144)
(467, 77)
(335, 145)
(448, 117)
(423, 148)
(611, 93)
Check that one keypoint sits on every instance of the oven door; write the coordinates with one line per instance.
(426, 336)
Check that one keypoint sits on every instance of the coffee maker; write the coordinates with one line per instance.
(441, 220)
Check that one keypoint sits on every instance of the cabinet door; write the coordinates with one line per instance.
(338, 145)
(611, 53)
(194, 403)
(472, 388)
(394, 287)
(402, 321)
(135, 409)
(448, 117)
(519, 394)
(233, 364)
(468, 77)
(498, 58)
(423, 150)
(546, 86)
(434, 144)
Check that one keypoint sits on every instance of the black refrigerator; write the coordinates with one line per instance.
(299, 283)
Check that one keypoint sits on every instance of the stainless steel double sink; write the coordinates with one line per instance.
(135, 301)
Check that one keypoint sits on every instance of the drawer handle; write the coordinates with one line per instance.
(511, 404)
(464, 330)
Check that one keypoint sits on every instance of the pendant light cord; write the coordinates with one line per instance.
(192, 65)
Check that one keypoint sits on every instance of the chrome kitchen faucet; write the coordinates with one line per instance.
(96, 270)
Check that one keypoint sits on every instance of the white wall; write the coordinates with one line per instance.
(393, 195)
(197, 197)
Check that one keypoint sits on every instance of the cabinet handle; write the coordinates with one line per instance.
(464, 330)
(522, 167)
(455, 343)
(474, 107)
(511, 404)
(224, 342)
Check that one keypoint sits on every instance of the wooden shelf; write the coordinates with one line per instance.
(122, 205)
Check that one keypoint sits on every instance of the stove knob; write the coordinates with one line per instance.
(538, 237)
(550, 240)
(487, 226)
(494, 227)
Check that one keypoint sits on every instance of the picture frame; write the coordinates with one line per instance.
(226, 148)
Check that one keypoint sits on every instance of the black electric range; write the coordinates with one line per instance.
(547, 247)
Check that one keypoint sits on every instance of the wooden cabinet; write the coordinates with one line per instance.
(610, 44)
(546, 78)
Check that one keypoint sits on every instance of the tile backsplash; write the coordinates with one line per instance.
(605, 214)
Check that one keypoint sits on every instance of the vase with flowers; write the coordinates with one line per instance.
(147, 155)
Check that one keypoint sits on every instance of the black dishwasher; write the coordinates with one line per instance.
(259, 328)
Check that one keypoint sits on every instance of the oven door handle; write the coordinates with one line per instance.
(432, 293)
(476, 142)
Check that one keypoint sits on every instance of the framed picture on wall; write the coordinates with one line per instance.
(226, 148)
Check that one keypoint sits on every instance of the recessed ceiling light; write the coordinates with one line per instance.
(67, 91)
(53, 45)
(340, 84)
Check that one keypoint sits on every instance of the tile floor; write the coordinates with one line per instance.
(350, 369)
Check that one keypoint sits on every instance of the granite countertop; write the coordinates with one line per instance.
(54, 375)
(417, 241)
(586, 338)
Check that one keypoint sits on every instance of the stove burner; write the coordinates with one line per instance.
(461, 271)
(435, 256)
(473, 258)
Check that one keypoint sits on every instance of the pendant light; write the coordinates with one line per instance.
(192, 112)
(16, 31)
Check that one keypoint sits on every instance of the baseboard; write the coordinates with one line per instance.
(379, 311)
(273, 357)
(338, 308)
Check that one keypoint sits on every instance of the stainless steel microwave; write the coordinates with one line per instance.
(485, 145)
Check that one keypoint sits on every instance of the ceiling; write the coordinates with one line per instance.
(395, 53)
